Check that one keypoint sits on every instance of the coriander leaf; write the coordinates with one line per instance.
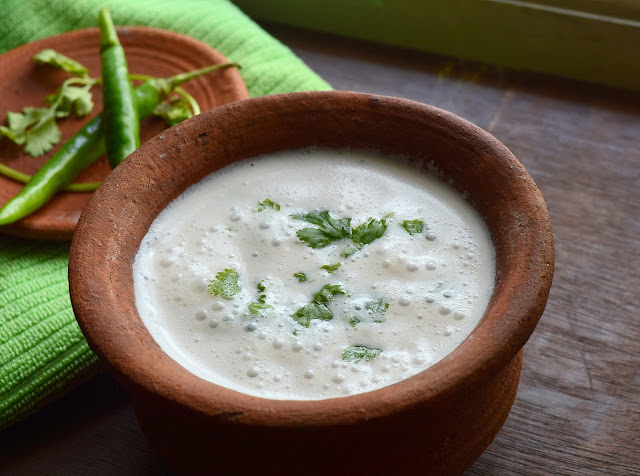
(260, 305)
(329, 229)
(327, 292)
(267, 203)
(301, 277)
(257, 307)
(174, 110)
(377, 306)
(72, 99)
(354, 321)
(314, 310)
(41, 137)
(330, 268)
(356, 353)
(413, 227)
(349, 250)
(317, 309)
(369, 232)
(36, 128)
(57, 60)
(18, 123)
(225, 284)
(315, 237)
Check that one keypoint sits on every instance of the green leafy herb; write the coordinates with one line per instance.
(377, 306)
(36, 128)
(329, 229)
(174, 110)
(365, 234)
(57, 60)
(225, 284)
(374, 311)
(330, 268)
(70, 98)
(256, 307)
(301, 276)
(318, 309)
(327, 292)
(413, 227)
(369, 232)
(356, 353)
(354, 321)
(305, 314)
(267, 203)
(349, 250)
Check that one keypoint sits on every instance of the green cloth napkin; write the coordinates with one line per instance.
(42, 351)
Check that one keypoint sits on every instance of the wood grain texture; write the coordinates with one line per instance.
(577, 411)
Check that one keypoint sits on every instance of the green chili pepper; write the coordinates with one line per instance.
(121, 122)
(86, 146)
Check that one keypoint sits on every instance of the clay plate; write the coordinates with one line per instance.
(149, 51)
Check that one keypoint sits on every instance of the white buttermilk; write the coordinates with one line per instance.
(437, 283)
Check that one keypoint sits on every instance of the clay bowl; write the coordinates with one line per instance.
(437, 422)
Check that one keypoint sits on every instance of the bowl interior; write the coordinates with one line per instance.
(479, 166)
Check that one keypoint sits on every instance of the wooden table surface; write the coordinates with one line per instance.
(577, 411)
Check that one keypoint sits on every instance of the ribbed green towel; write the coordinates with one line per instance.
(42, 351)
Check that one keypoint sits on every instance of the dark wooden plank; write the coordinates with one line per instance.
(578, 405)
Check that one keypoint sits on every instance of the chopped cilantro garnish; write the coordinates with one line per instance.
(356, 353)
(330, 268)
(368, 232)
(267, 203)
(365, 234)
(225, 284)
(377, 306)
(301, 276)
(318, 309)
(413, 227)
(305, 314)
(327, 292)
(332, 229)
(256, 307)
(329, 229)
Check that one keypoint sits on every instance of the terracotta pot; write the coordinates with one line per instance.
(436, 422)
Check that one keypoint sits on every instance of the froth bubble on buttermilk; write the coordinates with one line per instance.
(436, 283)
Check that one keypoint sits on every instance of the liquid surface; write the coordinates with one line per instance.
(392, 308)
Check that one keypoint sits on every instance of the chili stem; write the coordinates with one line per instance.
(24, 178)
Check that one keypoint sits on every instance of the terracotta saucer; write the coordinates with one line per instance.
(149, 51)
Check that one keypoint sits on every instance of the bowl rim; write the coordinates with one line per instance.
(511, 317)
